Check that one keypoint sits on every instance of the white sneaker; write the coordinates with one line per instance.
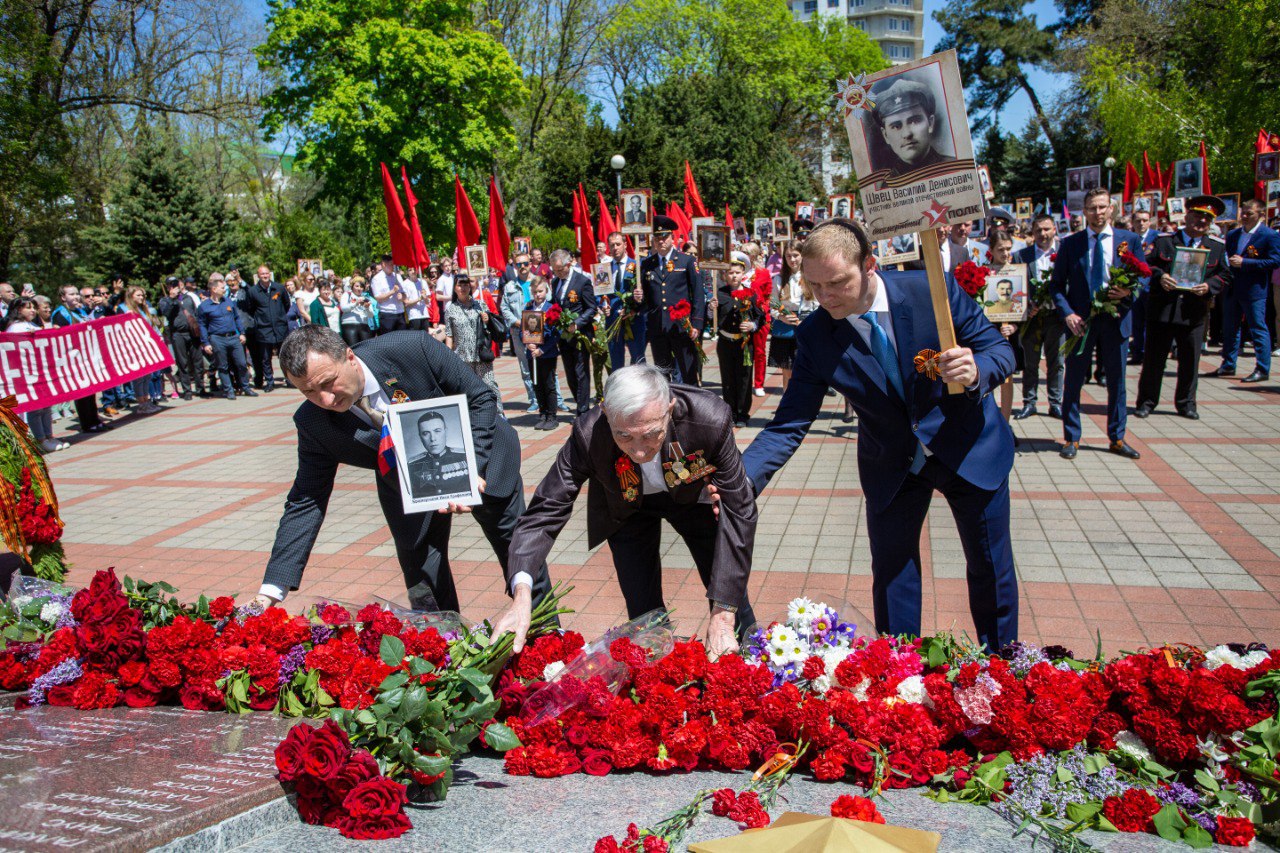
(1275, 353)
(759, 392)
(50, 445)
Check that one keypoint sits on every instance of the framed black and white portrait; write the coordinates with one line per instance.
(1079, 181)
(477, 262)
(1266, 167)
(1230, 207)
(781, 229)
(713, 246)
(1176, 208)
(842, 205)
(637, 211)
(764, 229)
(1188, 177)
(435, 453)
(531, 327)
(900, 249)
(602, 278)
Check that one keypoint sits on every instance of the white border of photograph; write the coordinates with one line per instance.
(401, 412)
(888, 256)
(602, 272)
(1016, 273)
(1189, 190)
(645, 227)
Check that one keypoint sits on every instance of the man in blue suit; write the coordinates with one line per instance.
(913, 436)
(1084, 267)
(1253, 251)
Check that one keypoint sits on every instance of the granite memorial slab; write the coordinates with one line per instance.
(129, 778)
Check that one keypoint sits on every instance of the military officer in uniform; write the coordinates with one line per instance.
(441, 470)
(906, 116)
(668, 277)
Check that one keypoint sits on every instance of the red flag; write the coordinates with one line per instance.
(421, 258)
(1159, 177)
(586, 240)
(1130, 181)
(1204, 166)
(685, 228)
(607, 225)
(499, 246)
(467, 227)
(692, 198)
(1149, 178)
(728, 218)
(1168, 178)
(1265, 143)
(401, 241)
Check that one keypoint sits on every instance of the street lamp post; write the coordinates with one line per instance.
(1110, 163)
(618, 162)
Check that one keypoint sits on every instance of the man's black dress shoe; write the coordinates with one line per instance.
(1069, 450)
(1256, 376)
(1144, 410)
(1221, 371)
(1190, 414)
(1055, 411)
(1025, 412)
(1119, 448)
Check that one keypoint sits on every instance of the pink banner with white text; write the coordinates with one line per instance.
(56, 365)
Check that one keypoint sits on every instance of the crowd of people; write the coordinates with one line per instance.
(223, 332)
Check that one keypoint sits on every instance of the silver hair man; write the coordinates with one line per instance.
(631, 389)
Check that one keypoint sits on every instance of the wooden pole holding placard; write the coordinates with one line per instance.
(932, 254)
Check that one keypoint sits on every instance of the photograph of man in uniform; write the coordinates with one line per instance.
(804, 210)
(1007, 296)
(635, 210)
(531, 327)
(764, 230)
(781, 228)
(840, 206)
(905, 119)
(441, 470)
(1230, 207)
(1189, 180)
(521, 246)
(477, 264)
(1267, 167)
(712, 247)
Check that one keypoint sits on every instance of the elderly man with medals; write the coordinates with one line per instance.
(652, 451)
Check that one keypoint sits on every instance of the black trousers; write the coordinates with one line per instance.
(735, 377)
(577, 369)
(187, 356)
(262, 359)
(676, 354)
(87, 412)
(418, 325)
(228, 352)
(1189, 340)
(354, 333)
(543, 373)
(422, 545)
(637, 549)
(389, 321)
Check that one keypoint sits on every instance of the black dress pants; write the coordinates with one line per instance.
(675, 353)
(391, 321)
(422, 544)
(637, 546)
(186, 353)
(577, 369)
(1189, 340)
(735, 377)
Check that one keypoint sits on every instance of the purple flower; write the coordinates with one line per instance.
(1178, 794)
(320, 634)
(64, 673)
(292, 662)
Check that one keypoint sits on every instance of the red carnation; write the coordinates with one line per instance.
(625, 651)
(94, 691)
(814, 667)
(327, 751)
(1234, 831)
(723, 801)
(748, 811)
(856, 808)
(680, 311)
(552, 315)
(222, 607)
(1131, 812)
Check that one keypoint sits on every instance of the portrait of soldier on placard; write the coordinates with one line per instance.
(905, 129)
(435, 453)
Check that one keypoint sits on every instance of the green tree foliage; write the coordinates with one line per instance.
(407, 82)
(162, 220)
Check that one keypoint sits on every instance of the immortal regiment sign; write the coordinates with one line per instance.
(43, 368)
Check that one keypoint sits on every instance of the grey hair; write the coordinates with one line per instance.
(630, 389)
(560, 257)
(305, 340)
(41, 299)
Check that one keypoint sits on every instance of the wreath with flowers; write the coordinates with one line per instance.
(29, 522)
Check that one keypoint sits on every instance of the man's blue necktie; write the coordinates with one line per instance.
(883, 352)
(1096, 265)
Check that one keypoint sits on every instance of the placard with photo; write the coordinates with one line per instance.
(1006, 295)
(531, 327)
(713, 246)
(984, 181)
(899, 249)
(435, 453)
(1231, 207)
(521, 246)
(804, 210)
(1142, 203)
(781, 229)
(602, 279)
(637, 211)
(821, 214)
(841, 205)
(1157, 198)
(1273, 193)
(1266, 167)
(1188, 266)
(310, 266)
(698, 223)
(740, 234)
(1188, 177)
(763, 229)
(1023, 208)
(1079, 181)
(1177, 209)
(912, 154)
(477, 262)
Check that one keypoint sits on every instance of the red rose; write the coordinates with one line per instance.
(856, 808)
(1234, 831)
(61, 696)
(290, 751)
(222, 607)
(313, 800)
(360, 768)
(596, 762)
(375, 829)
(327, 751)
(552, 315)
(1131, 812)
(139, 697)
(377, 797)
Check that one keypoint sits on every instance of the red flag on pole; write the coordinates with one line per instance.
(1265, 144)
(1159, 177)
(692, 198)
(401, 241)
(499, 245)
(421, 258)
(467, 226)
(1167, 178)
(586, 239)
(682, 220)
(1150, 180)
(607, 225)
(1204, 166)
(1130, 181)
(728, 218)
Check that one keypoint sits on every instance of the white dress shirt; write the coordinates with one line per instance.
(384, 287)
(1042, 262)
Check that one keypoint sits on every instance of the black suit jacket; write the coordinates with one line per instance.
(699, 421)
(423, 368)
(1180, 307)
(268, 307)
(579, 297)
(663, 288)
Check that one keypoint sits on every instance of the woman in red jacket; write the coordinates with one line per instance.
(762, 284)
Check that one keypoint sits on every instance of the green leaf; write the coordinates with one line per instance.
(1196, 836)
(474, 676)
(500, 738)
(415, 702)
(431, 764)
(365, 717)
(1095, 762)
(1083, 812)
(1063, 775)
(1205, 779)
(396, 679)
(420, 666)
(391, 650)
(1169, 823)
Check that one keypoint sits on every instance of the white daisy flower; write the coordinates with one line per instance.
(801, 611)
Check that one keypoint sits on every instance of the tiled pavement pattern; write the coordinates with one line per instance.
(1183, 545)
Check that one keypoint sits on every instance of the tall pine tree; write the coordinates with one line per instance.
(162, 220)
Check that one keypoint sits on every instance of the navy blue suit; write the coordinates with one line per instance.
(1073, 295)
(580, 298)
(970, 443)
(1247, 294)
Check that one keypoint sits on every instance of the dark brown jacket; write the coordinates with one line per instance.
(700, 421)
(1181, 307)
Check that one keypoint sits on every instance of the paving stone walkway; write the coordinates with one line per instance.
(1183, 545)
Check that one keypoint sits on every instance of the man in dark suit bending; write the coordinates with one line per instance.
(349, 392)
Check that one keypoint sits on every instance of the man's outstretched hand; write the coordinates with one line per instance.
(720, 637)
(516, 617)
